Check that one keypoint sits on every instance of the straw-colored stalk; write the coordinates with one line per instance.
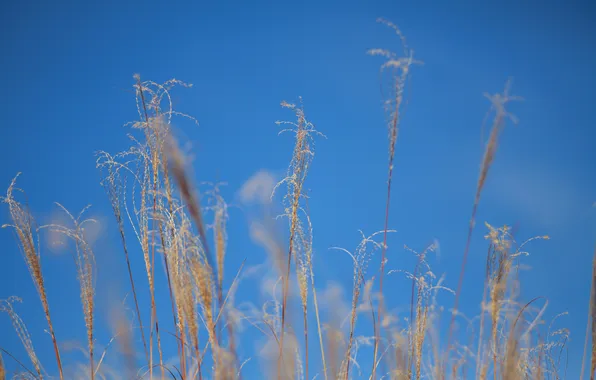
(113, 186)
(22, 332)
(360, 258)
(25, 228)
(498, 103)
(203, 279)
(297, 172)
(147, 158)
(85, 264)
(400, 70)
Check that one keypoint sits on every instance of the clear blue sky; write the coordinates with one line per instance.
(66, 73)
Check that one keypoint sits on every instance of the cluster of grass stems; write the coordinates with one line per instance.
(157, 209)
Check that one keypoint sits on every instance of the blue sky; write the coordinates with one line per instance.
(67, 82)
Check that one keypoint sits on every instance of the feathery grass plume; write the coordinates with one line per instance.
(172, 230)
(498, 103)
(423, 313)
(203, 261)
(22, 332)
(220, 237)
(156, 130)
(155, 119)
(360, 259)
(26, 230)
(306, 270)
(513, 361)
(177, 244)
(544, 359)
(399, 70)
(115, 188)
(297, 172)
(499, 267)
(501, 290)
(145, 155)
(219, 207)
(186, 312)
(85, 263)
(423, 281)
(203, 279)
(143, 233)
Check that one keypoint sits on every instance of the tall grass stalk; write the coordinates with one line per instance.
(22, 332)
(498, 103)
(399, 68)
(114, 187)
(85, 263)
(26, 230)
(297, 172)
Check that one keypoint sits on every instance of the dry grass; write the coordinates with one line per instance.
(153, 197)
(399, 70)
(498, 103)
(26, 230)
(85, 264)
(300, 244)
